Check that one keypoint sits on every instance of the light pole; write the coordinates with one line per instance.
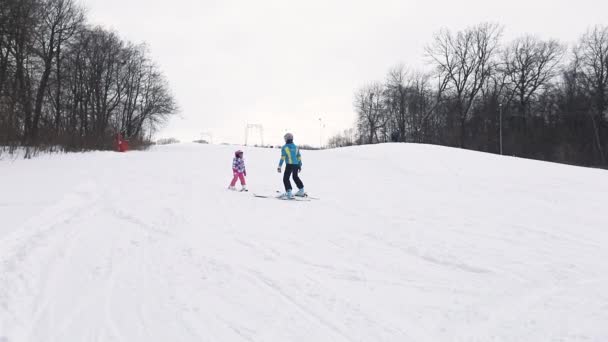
(320, 133)
(500, 125)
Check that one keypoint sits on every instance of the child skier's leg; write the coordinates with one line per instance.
(296, 179)
(242, 179)
(286, 176)
(234, 178)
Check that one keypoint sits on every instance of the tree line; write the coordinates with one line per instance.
(529, 97)
(66, 83)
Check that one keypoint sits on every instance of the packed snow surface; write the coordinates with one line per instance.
(407, 243)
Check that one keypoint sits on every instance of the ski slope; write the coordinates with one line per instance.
(408, 243)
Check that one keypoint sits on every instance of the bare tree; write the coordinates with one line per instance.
(369, 104)
(592, 56)
(155, 104)
(465, 59)
(23, 19)
(424, 101)
(397, 84)
(60, 20)
(529, 64)
(342, 140)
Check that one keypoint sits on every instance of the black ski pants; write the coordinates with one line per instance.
(292, 169)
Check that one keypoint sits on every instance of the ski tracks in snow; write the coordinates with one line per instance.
(168, 255)
(29, 254)
(84, 257)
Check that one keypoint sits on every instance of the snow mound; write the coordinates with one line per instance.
(407, 243)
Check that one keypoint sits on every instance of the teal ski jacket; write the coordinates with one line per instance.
(290, 154)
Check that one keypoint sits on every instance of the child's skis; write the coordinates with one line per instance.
(282, 198)
(305, 195)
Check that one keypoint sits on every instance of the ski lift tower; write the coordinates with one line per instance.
(251, 129)
(207, 136)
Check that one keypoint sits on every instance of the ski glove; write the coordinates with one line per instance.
(278, 169)
(245, 173)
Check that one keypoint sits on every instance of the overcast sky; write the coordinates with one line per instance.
(285, 64)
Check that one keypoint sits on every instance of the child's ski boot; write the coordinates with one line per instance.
(287, 195)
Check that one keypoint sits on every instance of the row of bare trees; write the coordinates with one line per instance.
(65, 83)
(549, 101)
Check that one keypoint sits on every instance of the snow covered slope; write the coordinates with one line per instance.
(408, 243)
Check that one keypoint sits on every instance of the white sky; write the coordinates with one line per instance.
(284, 64)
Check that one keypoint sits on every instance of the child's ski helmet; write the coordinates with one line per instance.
(238, 153)
(288, 137)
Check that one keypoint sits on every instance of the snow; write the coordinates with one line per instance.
(407, 243)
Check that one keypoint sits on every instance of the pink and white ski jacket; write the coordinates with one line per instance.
(238, 165)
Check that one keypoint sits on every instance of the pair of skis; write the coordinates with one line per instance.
(279, 196)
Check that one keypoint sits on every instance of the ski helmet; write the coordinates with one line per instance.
(288, 137)
(238, 154)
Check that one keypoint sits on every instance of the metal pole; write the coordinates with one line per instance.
(262, 134)
(500, 125)
(320, 133)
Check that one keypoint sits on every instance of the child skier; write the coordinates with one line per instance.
(290, 155)
(238, 171)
